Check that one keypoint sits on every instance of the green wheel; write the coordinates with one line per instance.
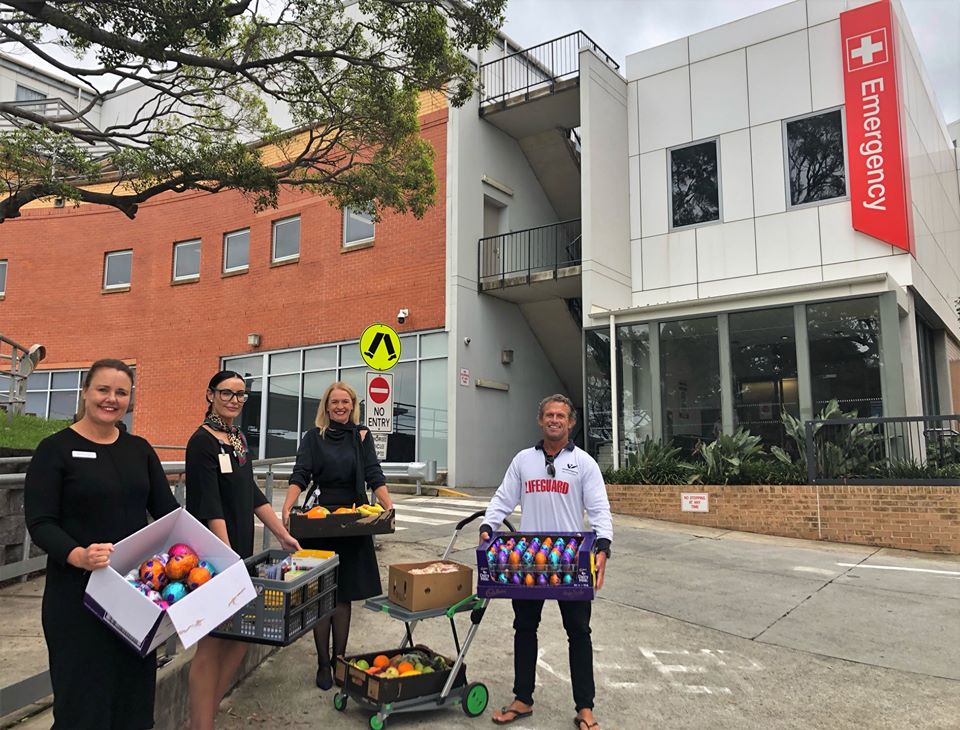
(475, 697)
(339, 702)
(377, 723)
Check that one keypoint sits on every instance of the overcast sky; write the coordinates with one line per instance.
(621, 27)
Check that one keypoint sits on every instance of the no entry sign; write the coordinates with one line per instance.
(379, 410)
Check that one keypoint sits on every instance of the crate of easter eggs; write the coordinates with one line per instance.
(396, 675)
(294, 592)
(342, 522)
(555, 565)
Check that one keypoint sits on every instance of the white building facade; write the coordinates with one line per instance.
(742, 289)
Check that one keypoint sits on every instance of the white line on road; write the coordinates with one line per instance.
(421, 520)
(479, 504)
(402, 509)
(817, 571)
(895, 567)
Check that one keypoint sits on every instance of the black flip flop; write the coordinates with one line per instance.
(579, 721)
(517, 715)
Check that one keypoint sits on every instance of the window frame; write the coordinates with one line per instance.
(226, 238)
(5, 268)
(275, 225)
(785, 144)
(347, 211)
(106, 268)
(38, 95)
(670, 150)
(176, 248)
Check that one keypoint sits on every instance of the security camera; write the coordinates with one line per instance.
(402, 315)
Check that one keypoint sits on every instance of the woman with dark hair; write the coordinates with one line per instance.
(339, 458)
(87, 487)
(223, 494)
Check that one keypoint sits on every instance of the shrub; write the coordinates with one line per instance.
(27, 431)
(724, 457)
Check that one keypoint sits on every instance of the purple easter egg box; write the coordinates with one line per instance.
(572, 581)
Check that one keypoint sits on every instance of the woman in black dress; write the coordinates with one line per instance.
(87, 487)
(338, 456)
(222, 493)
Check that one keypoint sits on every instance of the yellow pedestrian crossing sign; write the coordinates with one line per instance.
(380, 347)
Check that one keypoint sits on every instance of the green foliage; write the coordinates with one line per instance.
(907, 469)
(210, 72)
(724, 457)
(27, 431)
(653, 463)
(770, 471)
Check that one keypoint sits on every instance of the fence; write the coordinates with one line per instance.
(544, 248)
(915, 450)
(538, 68)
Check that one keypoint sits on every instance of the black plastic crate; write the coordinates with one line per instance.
(384, 690)
(283, 610)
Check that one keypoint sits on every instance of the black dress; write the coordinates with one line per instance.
(80, 492)
(330, 462)
(212, 495)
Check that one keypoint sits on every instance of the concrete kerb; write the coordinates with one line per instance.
(172, 702)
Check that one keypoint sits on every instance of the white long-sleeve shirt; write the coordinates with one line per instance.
(553, 503)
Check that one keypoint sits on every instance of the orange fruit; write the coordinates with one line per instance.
(381, 661)
(404, 667)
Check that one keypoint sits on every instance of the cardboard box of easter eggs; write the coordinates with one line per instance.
(555, 565)
(138, 620)
(433, 584)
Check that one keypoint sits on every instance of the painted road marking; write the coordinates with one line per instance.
(402, 508)
(421, 520)
(816, 571)
(895, 567)
(479, 504)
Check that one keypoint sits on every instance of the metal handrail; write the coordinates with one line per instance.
(884, 450)
(542, 65)
(542, 248)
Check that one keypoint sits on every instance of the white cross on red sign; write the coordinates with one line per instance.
(378, 414)
(869, 49)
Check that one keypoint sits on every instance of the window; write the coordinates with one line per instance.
(694, 186)
(815, 158)
(186, 260)
(25, 93)
(690, 381)
(599, 422)
(117, 266)
(236, 250)
(845, 355)
(763, 359)
(357, 227)
(635, 392)
(3, 278)
(286, 239)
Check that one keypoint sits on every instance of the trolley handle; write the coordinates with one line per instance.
(479, 513)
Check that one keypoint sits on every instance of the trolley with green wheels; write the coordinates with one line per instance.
(385, 697)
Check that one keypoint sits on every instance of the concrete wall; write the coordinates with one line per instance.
(487, 427)
(14, 72)
(604, 185)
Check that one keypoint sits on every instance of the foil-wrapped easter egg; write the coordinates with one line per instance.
(514, 558)
(174, 592)
(572, 545)
(163, 605)
(566, 558)
(529, 580)
(540, 559)
(542, 579)
(548, 542)
(517, 579)
(502, 578)
(133, 574)
(554, 580)
(527, 557)
(560, 543)
(154, 596)
(181, 548)
(509, 544)
(179, 566)
(209, 566)
(553, 559)
(197, 577)
(164, 558)
(491, 557)
(568, 579)
(152, 574)
(502, 557)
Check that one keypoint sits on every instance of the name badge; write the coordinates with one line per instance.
(226, 467)
(84, 454)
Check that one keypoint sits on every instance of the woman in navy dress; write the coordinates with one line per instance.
(223, 494)
(338, 457)
(87, 487)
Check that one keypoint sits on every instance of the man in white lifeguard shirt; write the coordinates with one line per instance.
(554, 482)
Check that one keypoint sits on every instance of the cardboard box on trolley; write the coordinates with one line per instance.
(138, 620)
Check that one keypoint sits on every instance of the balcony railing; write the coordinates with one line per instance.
(901, 450)
(535, 69)
(534, 250)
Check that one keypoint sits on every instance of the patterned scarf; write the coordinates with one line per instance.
(234, 436)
